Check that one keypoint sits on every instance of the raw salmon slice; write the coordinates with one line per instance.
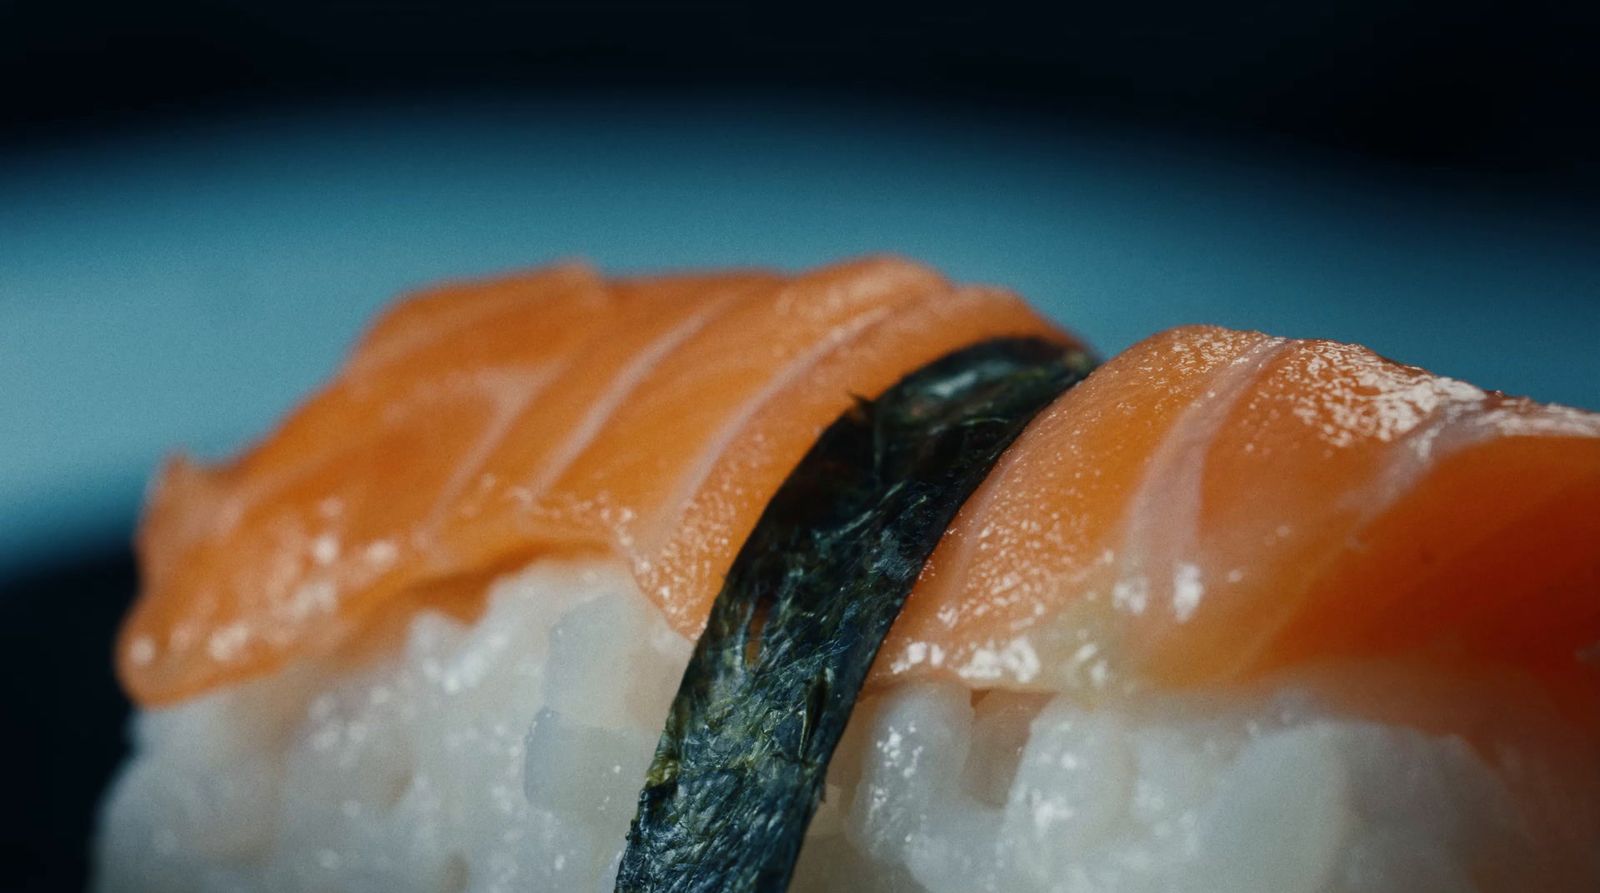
(479, 426)
(1208, 506)
(1214, 504)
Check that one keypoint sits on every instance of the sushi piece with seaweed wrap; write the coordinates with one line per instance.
(740, 767)
(1233, 613)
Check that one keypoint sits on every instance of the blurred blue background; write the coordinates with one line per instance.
(202, 202)
(182, 289)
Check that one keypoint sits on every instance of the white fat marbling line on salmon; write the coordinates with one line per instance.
(509, 391)
(1466, 424)
(1520, 417)
(225, 512)
(1456, 416)
(794, 298)
(1453, 420)
(384, 345)
(621, 387)
(1158, 561)
(507, 755)
(697, 474)
(1374, 401)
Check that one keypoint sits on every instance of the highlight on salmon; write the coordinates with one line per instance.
(1228, 613)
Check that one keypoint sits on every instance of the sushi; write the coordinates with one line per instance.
(862, 580)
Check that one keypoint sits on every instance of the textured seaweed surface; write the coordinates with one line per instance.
(739, 769)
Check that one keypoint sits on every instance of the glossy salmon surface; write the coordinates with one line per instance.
(480, 426)
(1207, 506)
(1213, 504)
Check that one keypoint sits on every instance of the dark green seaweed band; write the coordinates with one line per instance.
(740, 767)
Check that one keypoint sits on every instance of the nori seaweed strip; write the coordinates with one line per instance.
(740, 767)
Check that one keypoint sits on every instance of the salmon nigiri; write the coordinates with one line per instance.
(1234, 612)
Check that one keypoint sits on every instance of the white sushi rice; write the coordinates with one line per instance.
(506, 755)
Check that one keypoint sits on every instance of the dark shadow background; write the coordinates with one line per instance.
(1475, 96)
(1497, 93)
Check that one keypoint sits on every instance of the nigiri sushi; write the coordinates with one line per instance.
(861, 580)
